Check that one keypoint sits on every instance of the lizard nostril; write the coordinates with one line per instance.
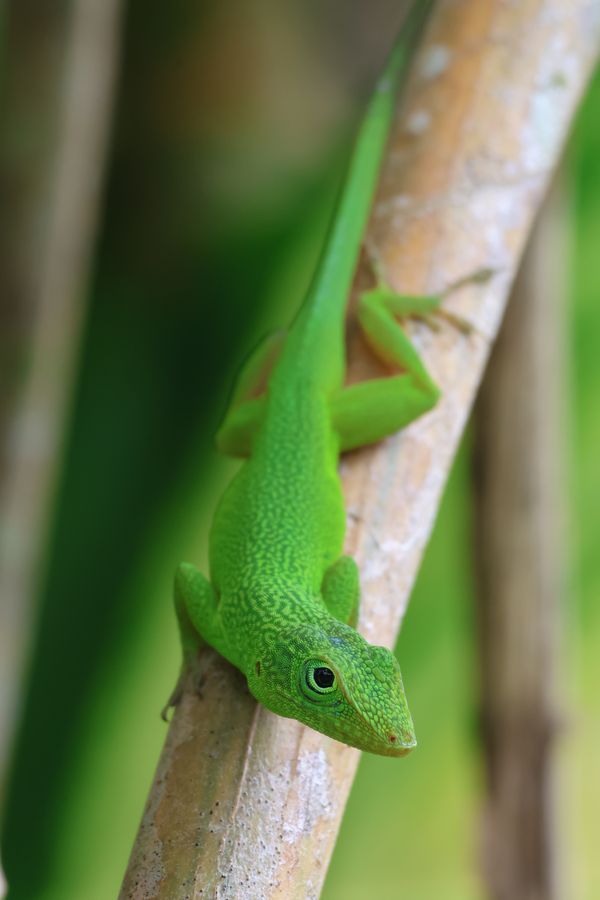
(393, 738)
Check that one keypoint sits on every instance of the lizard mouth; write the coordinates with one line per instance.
(390, 745)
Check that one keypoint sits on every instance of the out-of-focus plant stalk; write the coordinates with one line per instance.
(54, 192)
(521, 428)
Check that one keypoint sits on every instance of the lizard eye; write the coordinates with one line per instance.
(318, 680)
(323, 677)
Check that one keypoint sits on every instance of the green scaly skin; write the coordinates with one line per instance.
(282, 600)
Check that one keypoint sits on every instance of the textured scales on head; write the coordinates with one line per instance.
(328, 677)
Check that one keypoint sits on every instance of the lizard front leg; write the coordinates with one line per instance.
(197, 617)
(341, 590)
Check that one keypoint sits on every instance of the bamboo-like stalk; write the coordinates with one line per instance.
(520, 428)
(246, 804)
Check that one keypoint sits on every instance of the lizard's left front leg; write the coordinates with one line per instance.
(197, 617)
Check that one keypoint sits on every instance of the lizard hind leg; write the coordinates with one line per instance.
(369, 411)
(378, 313)
(246, 407)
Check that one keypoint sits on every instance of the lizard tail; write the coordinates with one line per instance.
(334, 274)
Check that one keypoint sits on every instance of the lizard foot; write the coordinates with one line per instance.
(174, 699)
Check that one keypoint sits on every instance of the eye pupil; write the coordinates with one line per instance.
(318, 682)
(324, 677)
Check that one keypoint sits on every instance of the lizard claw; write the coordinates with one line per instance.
(428, 319)
(174, 699)
(461, 324)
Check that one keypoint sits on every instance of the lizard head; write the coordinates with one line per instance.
(328, 677)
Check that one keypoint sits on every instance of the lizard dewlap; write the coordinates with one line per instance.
(282, 601)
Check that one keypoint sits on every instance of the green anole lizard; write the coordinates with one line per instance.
(282, 600)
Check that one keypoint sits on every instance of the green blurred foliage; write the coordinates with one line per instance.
(187, 276)
(582, 784)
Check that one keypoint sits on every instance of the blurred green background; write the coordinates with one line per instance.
(230, 129)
